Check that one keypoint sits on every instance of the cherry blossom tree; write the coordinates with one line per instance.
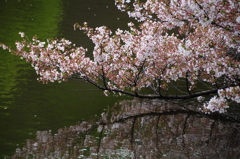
(180, 49)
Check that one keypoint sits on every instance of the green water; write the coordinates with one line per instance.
(26, 105)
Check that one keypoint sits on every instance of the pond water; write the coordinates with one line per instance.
(131, 129)
(148, 129)
(26, 105)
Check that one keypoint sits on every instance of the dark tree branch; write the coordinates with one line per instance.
(152, 96)
(104, 78)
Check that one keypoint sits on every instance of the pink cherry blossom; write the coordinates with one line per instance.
(181, 49)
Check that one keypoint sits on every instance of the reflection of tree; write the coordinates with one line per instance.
(141, 129)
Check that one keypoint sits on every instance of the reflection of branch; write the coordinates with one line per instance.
(184, 129)
(174, 112)
(100, 140)
(174, 123)
(211, 129)
(77, 89)
(132, 130)
(157, 139)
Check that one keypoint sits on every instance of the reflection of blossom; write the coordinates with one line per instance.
(22, 34)
(140, 129)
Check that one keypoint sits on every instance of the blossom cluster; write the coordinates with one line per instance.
(176, 40)
(220, 103)
(53, 60)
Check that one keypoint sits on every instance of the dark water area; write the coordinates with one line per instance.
(39, 121)
(27, 106)
(149, 129)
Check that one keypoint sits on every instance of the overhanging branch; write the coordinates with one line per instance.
(152, 96)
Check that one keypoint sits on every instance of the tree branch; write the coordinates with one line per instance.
(152, 96)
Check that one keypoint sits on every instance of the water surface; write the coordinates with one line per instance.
(132, 128)
(26, 105)
(148, 129)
